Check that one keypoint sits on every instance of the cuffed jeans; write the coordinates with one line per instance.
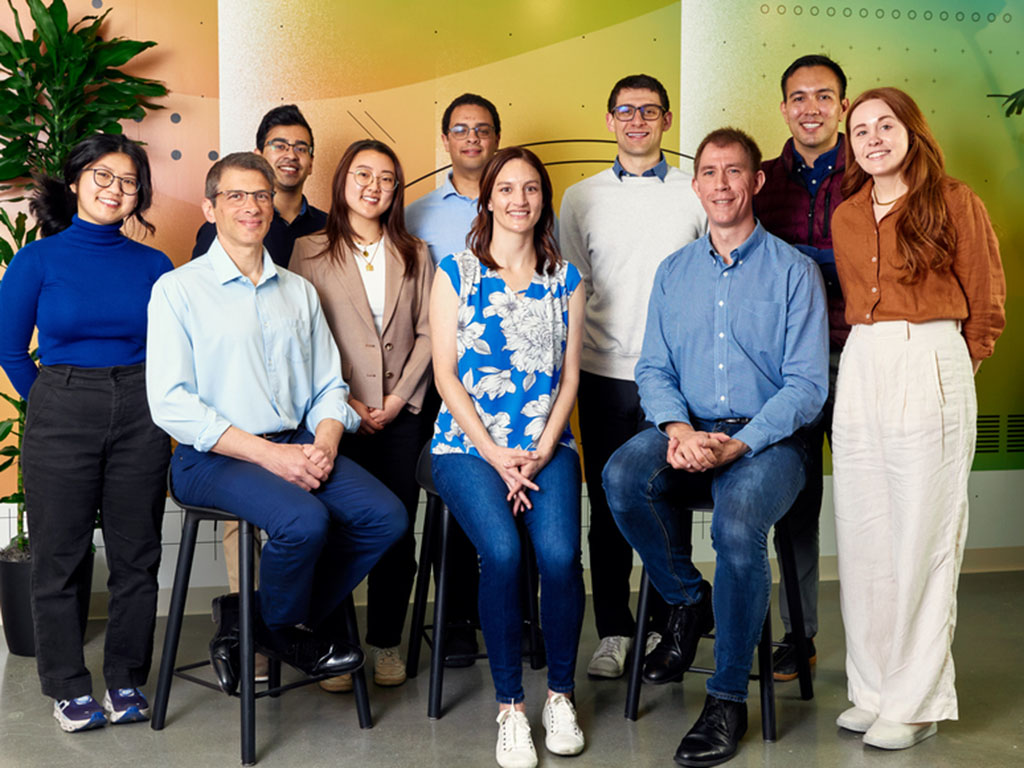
(649, 501)
(90, 445)
(321, 543)
(475, 494)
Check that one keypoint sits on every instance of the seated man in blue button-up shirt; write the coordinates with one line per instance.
(734, 363)
(243, 372)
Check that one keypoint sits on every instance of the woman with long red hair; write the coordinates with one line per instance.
(919, 264)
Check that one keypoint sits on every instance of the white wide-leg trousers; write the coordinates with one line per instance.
(903, 443)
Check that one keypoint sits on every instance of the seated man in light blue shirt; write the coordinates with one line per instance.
(734, 362)
(243, 372)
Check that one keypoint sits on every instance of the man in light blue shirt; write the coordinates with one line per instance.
(734, 363)
(243, 372)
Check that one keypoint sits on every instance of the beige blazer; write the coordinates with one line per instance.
(398, 360)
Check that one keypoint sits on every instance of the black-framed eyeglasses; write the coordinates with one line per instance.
(625, 112)
(460, 131)
(104, 178)
(300, 147)
(237, 197)
(363, 178)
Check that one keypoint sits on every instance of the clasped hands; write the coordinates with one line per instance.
(305, 465)
(697, 451)
(516, 467)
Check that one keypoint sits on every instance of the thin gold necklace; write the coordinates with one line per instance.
(365, 253)
(879, 203)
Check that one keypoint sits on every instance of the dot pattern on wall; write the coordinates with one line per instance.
(176, 154)
(895, 13)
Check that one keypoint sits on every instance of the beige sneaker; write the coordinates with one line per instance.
(261, 666)
(339, 684)
(609, 660)
(515, 745)
(388, 667)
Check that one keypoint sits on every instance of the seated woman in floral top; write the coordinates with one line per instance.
(506, 322)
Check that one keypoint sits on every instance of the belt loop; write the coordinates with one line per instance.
(906, 323)
(67, 375)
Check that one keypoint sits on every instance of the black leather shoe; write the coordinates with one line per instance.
(784, 658)
(460, 646)
(674, 654)
(308, 651)
(713, 739)
(224, 656)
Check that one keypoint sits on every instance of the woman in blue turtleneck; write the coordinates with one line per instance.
(90, 444)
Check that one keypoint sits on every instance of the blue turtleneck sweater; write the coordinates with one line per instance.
(86, 289)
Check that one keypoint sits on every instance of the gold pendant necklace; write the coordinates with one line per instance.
(365, 253)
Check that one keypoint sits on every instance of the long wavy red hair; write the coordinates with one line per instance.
(925, 235)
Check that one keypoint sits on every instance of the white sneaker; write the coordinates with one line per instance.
(609, 660)
(653, 638)
(388, 667)
(856, 719)
(515, 745)
(564, 736)
(886, 734)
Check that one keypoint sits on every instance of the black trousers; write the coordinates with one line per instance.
(390, 455)
(90, 445)
(610, 414)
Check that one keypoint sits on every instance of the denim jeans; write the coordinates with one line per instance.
(322, 543)
(649, 501)
(475, 494)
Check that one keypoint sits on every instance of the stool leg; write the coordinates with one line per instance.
(766, 679)
(182, 572)
(247, 673)
(273, 677)
(362, 695)
(636, 668)
(440, 616)
(532, 579)
(419, 603)
(791, 583)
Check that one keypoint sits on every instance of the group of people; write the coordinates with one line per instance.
(697, 320)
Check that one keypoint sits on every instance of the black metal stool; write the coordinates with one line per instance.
(433, 555)
(247, 678)
(764, 675)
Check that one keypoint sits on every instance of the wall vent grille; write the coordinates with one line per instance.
(1015, 433)
(988, 435)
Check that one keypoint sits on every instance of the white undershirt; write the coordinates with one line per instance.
(373, 280)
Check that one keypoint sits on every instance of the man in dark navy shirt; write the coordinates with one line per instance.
(801, 191)
(285, 139)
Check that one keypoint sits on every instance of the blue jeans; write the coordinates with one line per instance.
(475, 494)
(321, 543)
(649, 501)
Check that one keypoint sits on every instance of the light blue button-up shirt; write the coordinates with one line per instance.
(223, 352)
(745, 340)
(442, 219)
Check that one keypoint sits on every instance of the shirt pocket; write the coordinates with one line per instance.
(759, 327)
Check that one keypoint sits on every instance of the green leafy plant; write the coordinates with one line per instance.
(57, 86)
(1013, 102)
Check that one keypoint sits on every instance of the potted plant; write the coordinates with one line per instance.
(57, 86)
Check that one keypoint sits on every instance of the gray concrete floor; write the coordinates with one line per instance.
(309, 728)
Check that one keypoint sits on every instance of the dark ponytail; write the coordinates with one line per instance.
(54, 203)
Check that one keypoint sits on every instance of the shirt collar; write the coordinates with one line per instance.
(754, 241)
(448, 189)
(660, 170)
(225, 269)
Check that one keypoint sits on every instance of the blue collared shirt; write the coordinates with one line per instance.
(224, 352)
(823, 167)
(442, 219)
(744, 340)
(660, 170)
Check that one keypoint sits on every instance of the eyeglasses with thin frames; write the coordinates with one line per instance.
(238, 197)
(104, 178)
(363, 178)
(624, 112)
(460, 131)
(280, 145)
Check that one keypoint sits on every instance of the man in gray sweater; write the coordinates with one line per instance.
(616, 227)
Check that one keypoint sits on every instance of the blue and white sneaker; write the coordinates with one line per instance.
(126, 705)
(78, 714)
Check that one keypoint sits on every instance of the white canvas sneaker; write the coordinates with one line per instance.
(515, 745)
(609, 660)
(564, 736)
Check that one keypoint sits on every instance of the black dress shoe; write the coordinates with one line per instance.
(716, 734)
(224, 657)
(674, 654)
(784, 658)
(308, 651)
(460, 646)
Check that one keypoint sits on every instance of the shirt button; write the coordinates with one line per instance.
(868, 316)
(388, 374)
(721, 303)
(874, 258)
(389, 346)
(722, 398)
(720, 366)
(874, 290)
(721, 335)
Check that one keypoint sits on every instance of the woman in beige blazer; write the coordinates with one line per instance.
(374, 280)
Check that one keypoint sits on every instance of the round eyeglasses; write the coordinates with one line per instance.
(104, 178)
(460, 132)
(364, 178)
(625, 112)
(299, 147)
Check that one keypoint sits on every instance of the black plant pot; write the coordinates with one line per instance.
(16, 605)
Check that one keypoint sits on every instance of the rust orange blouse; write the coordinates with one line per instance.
(973, 291)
